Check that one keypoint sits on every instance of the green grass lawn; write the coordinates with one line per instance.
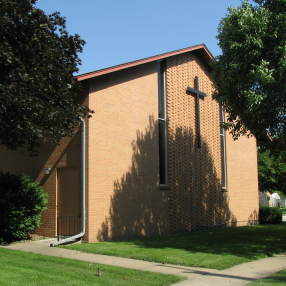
(26, 269)
(218, 249)
(277, 279)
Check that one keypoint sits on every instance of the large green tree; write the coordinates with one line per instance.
(250, 75)
(39, 96)
(272, 170)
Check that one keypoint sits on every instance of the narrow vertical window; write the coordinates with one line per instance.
(223, 151)
(162, 121)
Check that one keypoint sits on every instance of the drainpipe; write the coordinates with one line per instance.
(223, 151)
(83, 190)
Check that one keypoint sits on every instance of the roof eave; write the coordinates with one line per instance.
(202, 47)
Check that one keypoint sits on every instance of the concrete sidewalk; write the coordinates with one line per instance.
(234, 276)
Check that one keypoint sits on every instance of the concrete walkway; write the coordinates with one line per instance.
(234, 276)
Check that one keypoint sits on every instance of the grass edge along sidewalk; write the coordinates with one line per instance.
(216, 248)
(21, 268)
(277, 279)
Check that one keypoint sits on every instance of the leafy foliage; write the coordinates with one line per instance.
(250, 75)
(270, 215)
(272, 171)
(40, 98)
(21, 204)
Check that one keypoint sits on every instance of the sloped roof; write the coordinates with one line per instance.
(201, 50)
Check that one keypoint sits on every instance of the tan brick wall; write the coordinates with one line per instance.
(196, 199)
(66, 154)
(20, 162)
(123, 198)
(242, 179)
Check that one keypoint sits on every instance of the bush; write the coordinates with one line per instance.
(269, 215)
(21, 203)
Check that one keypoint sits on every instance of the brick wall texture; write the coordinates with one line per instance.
(124, 198)
(196, 199)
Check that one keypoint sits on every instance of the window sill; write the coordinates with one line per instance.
(164, 187)
(224, 189)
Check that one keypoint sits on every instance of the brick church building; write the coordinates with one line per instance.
(151, 160)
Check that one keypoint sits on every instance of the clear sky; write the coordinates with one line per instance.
(118, 31)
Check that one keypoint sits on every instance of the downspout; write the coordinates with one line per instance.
(223, 151)
(83, 190)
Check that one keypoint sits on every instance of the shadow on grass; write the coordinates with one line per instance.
(247, 242)
(216, 249)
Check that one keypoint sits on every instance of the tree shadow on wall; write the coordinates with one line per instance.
(194, 200)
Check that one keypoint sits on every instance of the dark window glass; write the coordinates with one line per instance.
(162, 125)
(162, 152)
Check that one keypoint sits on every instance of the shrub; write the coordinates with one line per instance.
(21, 203)
(270, 215)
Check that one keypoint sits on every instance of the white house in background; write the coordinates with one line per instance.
(275, 200)
(272, 200)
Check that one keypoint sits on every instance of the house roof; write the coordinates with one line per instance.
(201, 50)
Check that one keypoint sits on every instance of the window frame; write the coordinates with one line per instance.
(162, 125)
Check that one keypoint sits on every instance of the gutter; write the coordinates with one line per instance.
(83, 190)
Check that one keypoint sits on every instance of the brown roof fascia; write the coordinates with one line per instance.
(201, 49)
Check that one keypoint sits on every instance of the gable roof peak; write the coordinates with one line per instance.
(201, 49)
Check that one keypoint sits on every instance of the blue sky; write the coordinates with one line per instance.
(118, 31)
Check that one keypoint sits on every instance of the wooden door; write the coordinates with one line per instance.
(69, 201)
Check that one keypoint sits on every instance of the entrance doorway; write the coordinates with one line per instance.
(69, 202)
